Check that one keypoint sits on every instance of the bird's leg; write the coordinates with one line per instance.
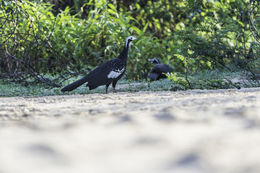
(107, 85)
(114, 89)
(114, 85)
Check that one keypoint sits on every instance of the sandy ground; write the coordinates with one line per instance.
(144, 132)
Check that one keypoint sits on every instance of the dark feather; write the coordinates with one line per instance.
(159, 71)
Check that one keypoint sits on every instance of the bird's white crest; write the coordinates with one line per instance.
(115, 73)
(129, 38)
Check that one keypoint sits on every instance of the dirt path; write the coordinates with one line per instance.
(144, 132)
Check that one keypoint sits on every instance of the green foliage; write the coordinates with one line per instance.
(202, 80)
(76, 36)
(211, 80)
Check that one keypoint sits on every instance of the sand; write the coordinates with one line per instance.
(196, 131)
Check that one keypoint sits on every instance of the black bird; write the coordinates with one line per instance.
(105, 74)
(159, 70)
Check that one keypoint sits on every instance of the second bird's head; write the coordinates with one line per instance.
(154, 61)
(128, 41)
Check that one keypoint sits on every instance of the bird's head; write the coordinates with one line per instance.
(129, 40)
(154, 61)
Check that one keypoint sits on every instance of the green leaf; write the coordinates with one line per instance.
(112, 7)
(138, 31)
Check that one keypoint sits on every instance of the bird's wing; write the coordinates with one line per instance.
(161, 68)
(105, 72)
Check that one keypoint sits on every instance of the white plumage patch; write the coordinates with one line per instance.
(115, 73)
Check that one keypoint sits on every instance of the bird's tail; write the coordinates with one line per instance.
(75, 84)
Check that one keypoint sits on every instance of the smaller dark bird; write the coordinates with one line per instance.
(159, 70)
(105, 74)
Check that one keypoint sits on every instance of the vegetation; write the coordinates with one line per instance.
(213, 79)
(48, 42)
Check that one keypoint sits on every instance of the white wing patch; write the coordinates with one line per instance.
(115, 73)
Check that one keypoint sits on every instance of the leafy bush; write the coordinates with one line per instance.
(75, 36)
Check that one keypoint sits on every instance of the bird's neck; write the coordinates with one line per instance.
(124, 53)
